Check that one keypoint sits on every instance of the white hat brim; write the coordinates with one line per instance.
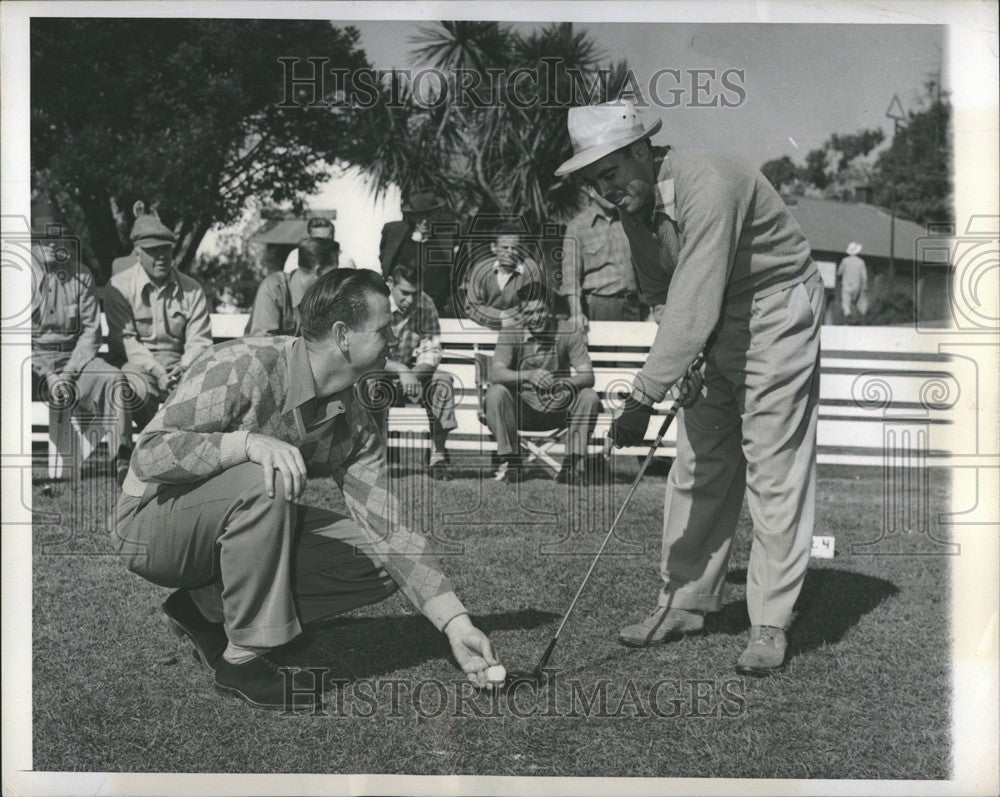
(593, 154)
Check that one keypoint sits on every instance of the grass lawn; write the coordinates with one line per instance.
(866, 693)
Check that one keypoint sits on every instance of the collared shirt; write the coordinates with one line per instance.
(565, 347)
(275, 308)
(596, 255)
(151, 326)
(265, 386)
(67, 316)
(717, 229)
(491, 291)
(418, 333)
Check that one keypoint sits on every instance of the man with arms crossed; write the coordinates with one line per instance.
(209, 506)
(737, 266)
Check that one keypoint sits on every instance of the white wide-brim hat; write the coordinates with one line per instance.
(599, 130)
(853, 248)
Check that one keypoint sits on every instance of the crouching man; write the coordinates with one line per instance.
(210, 504)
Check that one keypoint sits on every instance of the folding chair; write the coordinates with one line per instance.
(537, 443)
(73, 439)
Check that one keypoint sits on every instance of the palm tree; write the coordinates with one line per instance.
(499, 157)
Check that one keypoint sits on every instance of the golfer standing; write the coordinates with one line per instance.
(715, 250)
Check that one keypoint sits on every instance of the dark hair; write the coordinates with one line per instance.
(405, 270)
(318, 221)
(531, 292)
(318, 253)
(339, 295)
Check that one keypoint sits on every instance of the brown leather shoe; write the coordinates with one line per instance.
(663, 625)
(765, 655)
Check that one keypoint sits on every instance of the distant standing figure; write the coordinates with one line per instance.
(853, 276)
(415, 240)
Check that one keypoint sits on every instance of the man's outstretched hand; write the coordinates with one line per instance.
(472, 650)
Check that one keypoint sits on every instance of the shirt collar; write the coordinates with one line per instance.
(172, 283)
(295, 290)
(302, 388)
(518, 268)
(664, 200)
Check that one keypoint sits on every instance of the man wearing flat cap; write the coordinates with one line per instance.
(158, 319)
(413, 240)
(716, 251)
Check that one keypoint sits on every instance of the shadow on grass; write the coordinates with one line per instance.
(832, 602)
(366, 647)
(620, 469)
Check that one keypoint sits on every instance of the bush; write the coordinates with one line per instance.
(887, 310)
(231, 268)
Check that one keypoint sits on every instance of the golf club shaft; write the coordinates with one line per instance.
(671, 413)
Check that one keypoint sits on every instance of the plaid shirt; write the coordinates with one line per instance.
(418, 333)
(265, 385)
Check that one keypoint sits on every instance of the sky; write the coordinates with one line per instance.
(802, 83)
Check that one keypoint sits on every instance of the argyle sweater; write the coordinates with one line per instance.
(241, 386)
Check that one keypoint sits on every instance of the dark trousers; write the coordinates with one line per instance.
(505, 414)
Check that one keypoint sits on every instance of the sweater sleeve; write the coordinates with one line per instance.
(710, 220)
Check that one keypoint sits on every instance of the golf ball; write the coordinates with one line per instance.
(496, 674)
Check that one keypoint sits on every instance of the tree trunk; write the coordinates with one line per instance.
(186, 257)
(95, 202)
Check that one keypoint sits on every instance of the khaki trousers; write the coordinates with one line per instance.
(263, 566)
(755, 427)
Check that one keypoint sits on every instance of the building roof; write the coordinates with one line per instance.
(284, 229)
(830, 226)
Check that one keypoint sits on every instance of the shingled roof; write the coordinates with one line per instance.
(830, 226)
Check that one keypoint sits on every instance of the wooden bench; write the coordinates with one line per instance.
(882, 389)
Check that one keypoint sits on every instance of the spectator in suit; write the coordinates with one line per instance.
(411, 371)
(317, 227)
(541, 379)
(275, 308)
(493, 281)
(65, 338)
(597, 276)
(416, 240)
(158, 319)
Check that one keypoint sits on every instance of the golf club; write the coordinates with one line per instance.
(536, 675)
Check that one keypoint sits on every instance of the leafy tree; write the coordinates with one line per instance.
(781, 172)
(919, 162)
(493, 155)
(181, 113)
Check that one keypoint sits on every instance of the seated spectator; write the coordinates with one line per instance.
(65, 338)
(275, 308)
(493, 282)
(317, 227)
(411, 370)
(541, 379)
(158, 321)
(597, 275)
